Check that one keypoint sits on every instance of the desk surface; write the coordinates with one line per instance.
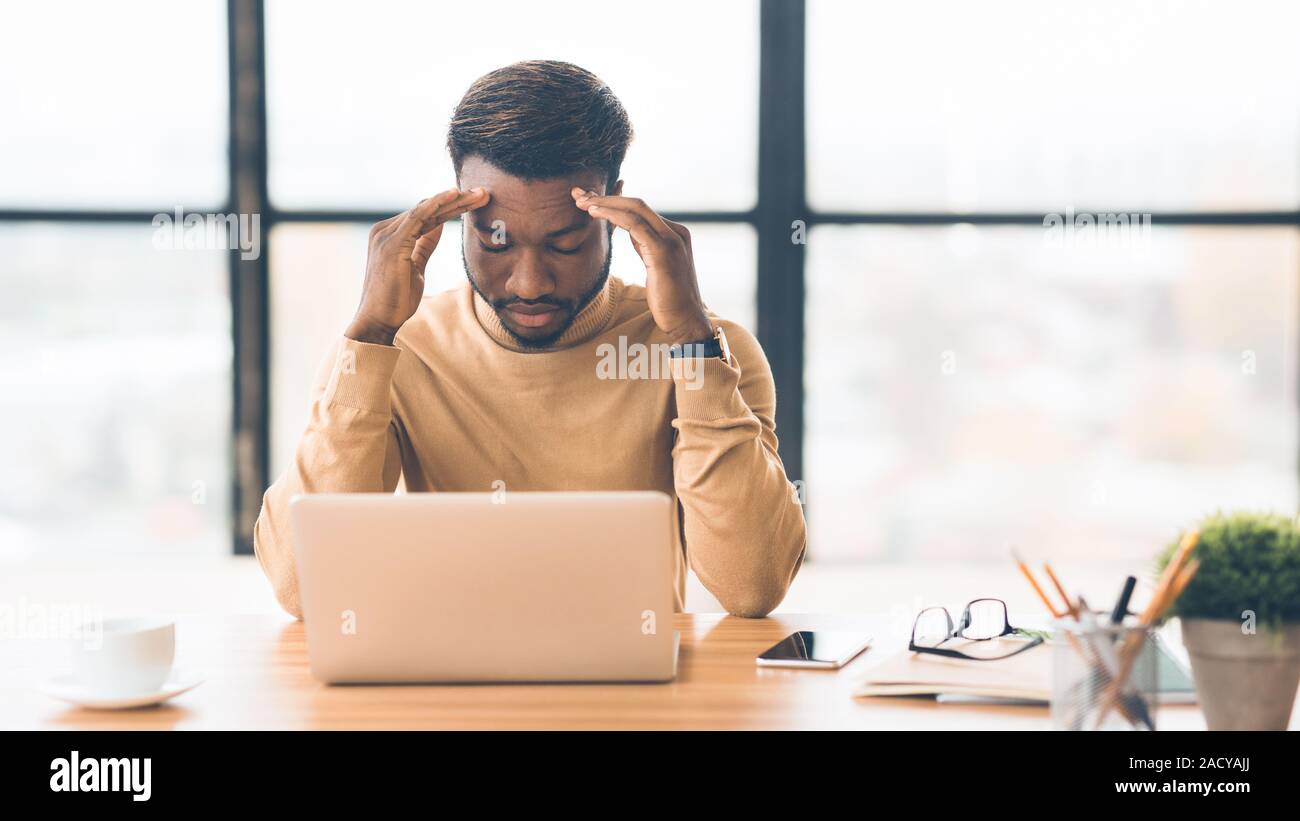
(257, 677)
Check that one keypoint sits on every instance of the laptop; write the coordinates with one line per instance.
(487, 587)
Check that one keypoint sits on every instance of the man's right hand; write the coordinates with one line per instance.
(400, 248)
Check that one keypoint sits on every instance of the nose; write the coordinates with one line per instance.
(529, 279)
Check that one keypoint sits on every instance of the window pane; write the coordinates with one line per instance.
(316, 273)
(136, 119)
(117, 364)
(334, 71)
(969, 387)
(937, 106)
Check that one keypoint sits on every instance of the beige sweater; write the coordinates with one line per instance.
(457, 405)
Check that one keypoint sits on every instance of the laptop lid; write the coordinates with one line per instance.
(461, 587)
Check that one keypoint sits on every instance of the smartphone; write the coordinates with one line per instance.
(821, 649)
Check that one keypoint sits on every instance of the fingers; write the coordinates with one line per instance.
(436, 210)
(647, 228)
(413, 218)
(680, 230)
(383, 226)
(587, 200)
(424, 249)
(642, 233)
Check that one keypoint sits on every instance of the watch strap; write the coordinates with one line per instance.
(704, 348)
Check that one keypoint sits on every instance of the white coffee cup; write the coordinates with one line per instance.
(125, 656)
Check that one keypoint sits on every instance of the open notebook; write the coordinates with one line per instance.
(1027, 675)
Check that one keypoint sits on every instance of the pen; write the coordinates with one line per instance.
(1121, 606)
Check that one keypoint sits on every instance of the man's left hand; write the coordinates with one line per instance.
(665, 247)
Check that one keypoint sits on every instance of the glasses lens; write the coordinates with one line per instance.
(987, 619)
(933, 627)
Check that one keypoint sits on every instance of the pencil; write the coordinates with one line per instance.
(1181, 583)
(1060, 589)
(1033, 583)
(1167, 578)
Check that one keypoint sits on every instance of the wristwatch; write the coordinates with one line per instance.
(714, 346)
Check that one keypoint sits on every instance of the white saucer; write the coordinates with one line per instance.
(66, 687)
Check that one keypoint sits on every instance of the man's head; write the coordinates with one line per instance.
(529, 133)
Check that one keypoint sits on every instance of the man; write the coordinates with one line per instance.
(505, 383)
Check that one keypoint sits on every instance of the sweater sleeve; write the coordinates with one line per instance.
(742, 520)
(350, 446)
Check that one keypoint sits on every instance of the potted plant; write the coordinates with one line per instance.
(1240, 619)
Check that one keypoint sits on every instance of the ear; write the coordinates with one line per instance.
(616, 191)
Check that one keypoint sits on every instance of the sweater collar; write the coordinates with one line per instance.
(590, 321)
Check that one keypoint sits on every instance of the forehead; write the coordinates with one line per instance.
(540, 205)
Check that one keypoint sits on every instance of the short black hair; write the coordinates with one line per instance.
(541, 119)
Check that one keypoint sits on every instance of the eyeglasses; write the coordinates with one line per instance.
(982, 620)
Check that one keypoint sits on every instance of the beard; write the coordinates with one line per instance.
(571, 307)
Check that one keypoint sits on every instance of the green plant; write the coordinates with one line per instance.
(1249, 562)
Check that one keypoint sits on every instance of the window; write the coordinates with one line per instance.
(978, 372)
(952, 374)
(1164, 106)
(136, 121)
(115, 353)
(358, 108)
(970, 387)
(117, 402)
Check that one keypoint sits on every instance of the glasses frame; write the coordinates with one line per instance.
(955, 632)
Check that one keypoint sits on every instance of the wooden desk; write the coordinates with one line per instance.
(257, 677)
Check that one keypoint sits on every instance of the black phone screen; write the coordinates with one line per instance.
(817, 646)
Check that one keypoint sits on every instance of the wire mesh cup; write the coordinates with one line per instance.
(1103, 677)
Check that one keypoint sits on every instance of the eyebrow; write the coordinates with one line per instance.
(559, 232)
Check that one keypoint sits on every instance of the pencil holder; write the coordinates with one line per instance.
(1103, 677)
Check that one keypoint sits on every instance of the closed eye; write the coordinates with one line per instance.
(568, 252)
(493, 249)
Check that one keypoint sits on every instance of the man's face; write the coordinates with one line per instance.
(531, 253)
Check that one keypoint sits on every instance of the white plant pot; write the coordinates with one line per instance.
(1244, 681)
